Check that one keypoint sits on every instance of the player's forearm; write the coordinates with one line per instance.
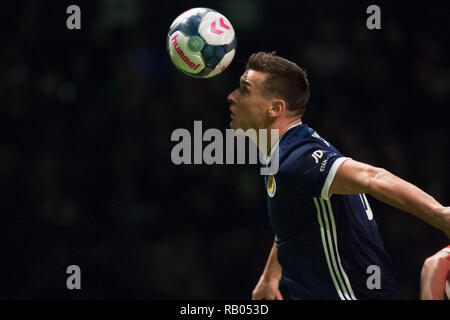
(403, 195)
(272, 270)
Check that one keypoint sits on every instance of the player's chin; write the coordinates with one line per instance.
(233, 124)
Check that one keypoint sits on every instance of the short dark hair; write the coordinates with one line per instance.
(285, 79)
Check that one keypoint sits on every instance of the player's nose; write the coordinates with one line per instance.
(232, 97)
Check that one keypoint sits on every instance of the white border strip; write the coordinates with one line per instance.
(325, 249)
(331, 235)
(326, 186)
(333, 226)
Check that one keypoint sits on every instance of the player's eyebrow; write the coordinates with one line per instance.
(245, 83)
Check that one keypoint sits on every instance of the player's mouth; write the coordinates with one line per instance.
(231, 112)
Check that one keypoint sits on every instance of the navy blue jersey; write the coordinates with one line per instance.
(329, 248)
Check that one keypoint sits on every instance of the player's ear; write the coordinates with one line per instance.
(277, 107)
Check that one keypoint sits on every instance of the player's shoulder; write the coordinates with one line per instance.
(305, 151)
(303, 141)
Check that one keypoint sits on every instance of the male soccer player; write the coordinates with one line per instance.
(327, 242)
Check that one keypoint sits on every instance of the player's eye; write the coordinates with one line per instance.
(243, 90)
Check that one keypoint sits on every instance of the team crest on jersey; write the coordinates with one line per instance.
(271, 186)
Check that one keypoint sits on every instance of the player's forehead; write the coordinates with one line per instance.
(253, 78)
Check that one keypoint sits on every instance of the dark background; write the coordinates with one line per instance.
(86, 118)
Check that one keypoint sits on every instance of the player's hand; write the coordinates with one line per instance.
(267, 289)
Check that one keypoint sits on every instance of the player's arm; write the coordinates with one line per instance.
(353, 177)
(267, 287)
(433, 276)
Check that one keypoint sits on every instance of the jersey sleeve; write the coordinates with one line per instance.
(312, 171)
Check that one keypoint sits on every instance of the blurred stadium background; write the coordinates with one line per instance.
(86, 118)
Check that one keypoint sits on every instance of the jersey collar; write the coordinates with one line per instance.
(275, 146)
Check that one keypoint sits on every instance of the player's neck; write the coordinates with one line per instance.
(288, 124)
(282, 125)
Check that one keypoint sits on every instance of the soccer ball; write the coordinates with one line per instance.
(201, 42)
